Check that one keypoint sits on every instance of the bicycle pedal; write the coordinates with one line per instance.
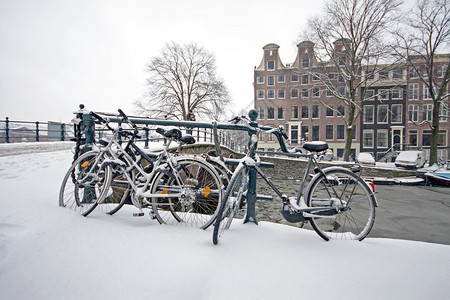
(139, 214)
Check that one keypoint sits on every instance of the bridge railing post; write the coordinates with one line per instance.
(251, 193)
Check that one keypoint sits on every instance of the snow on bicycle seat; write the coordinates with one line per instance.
(315, 146)
(187, 139)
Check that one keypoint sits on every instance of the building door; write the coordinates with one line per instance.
(397, 133)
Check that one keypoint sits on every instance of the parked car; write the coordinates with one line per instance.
(365, 158)
(410, 159)
(327, 155)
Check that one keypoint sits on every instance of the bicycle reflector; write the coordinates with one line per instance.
(372, 185)
(85, 164)
(165, 192)
(207, 191)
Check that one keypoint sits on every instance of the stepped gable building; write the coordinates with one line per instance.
(293, 96)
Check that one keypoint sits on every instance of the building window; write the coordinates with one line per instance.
(369, 74)
(368, 138)
(441, 71)
(280, 113)
(341, 90)
(383, 74)
(260, 94)
(294, 93)
(427, 112)
(294, 78)
(382, 138)
(305, 112)
(280, 78)
(368, 114)
(383, 95)
(341, 78)
(396, 110)
(329, 92)
(329, 132)
(315, 112)
(412, 137)
(270, 113)
(397, 73)
(281, 94)
(270, 65)
(442, 138)
(368, 94)
(270, 94)
(341, 110)
(342, 60)
(331, 76)
(261, 113)
(270, 80)
(259, 79)
(443, 112)
(413, 73)
(426, 92)
(305, 79)
(413, 113)
(294, 134)
(294, 112)
(315, 133)
(340, 132)
(397, 94)
(330, 111)
(305, 132)
(382, 114)
(425, 71)
(305, 63)
(316, 92)
(305, 93)
(315, 77)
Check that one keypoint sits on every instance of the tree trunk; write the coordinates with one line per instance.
(434, 134)
(349, 137)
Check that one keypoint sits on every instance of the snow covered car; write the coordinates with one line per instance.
(410, 159)
(327, 155)
(365, 158)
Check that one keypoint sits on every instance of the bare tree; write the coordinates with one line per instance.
(351, 35)
(183, 78)
(425, 32)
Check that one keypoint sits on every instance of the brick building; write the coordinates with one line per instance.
(292, 95)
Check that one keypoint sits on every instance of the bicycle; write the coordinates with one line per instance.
(176, 189)
(337, 202)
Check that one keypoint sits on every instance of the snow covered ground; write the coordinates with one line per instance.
(48, 252)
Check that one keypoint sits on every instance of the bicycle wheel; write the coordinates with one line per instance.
(351, 201)
(85, 184)
(236, 191)
(197, 191)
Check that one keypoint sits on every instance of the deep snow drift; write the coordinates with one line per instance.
(49, 252)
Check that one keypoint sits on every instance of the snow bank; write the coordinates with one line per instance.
(49, 252)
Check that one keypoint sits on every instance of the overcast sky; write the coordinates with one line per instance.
(56, 54)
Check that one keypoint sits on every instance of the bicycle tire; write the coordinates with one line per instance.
(231, 203)
(352, 221)
(85, 184)
(200, 188)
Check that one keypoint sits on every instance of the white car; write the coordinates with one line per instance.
(365, 158)
(410, 159)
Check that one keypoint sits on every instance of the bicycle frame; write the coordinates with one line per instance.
(298, 203)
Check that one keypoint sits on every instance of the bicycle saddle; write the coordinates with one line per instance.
(315, 146)
(187, 139)
(171, 133)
